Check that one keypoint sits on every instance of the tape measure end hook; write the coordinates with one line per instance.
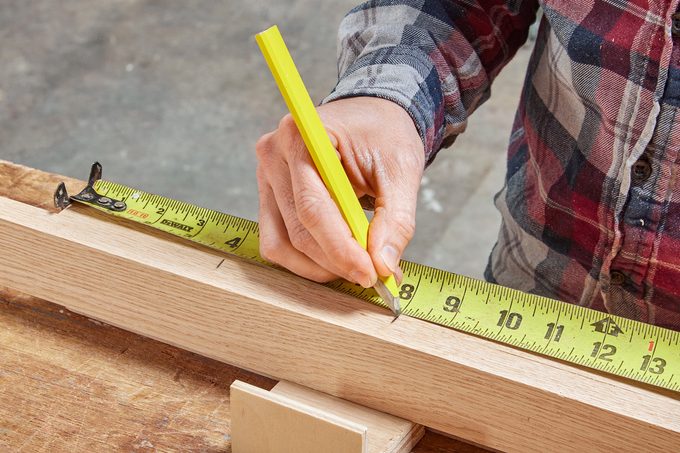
(62, 200)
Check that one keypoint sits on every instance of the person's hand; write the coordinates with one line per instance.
(302, 229)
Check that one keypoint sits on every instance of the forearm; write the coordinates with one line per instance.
(435, 58)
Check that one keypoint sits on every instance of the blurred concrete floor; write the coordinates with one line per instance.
(171, 96)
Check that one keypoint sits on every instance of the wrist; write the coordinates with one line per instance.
(404, 76)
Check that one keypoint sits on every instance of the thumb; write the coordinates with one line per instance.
(393, 224)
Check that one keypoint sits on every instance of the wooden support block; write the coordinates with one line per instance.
(279, 325)
(386, 433)
(264, 422)
(292, 418)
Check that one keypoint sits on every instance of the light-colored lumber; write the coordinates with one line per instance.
(265, 422)
(274, 323)
(293, 418)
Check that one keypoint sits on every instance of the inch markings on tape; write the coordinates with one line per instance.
(575, 334)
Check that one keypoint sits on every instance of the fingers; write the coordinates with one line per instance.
(394, 222)
(275, 245)
(321, 218)
(389, 234)
(300, 238)
(301, 227)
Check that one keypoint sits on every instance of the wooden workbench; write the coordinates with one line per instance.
(70, 384)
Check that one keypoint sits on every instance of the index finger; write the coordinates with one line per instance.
(318, 212)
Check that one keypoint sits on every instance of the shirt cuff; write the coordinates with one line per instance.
(404, 75)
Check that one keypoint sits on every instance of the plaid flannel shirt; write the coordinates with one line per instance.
(591, 204)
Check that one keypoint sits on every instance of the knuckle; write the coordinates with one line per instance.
(262, 146)
(403, 223)
(406, 227)
(287, 124)
(295, 147)
(338, 252)
(307, 206)
(300, 238)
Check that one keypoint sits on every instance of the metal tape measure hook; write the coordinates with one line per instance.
(88, 195)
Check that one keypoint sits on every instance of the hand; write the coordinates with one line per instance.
(302, 229)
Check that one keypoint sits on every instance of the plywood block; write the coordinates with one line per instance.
(293, 418)
(264, 422)
(386, 433)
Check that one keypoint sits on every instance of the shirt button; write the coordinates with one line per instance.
(675, 27)
(617, 278)
(641, 170)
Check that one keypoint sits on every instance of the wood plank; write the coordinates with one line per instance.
(270, 321)
(70, 383)
(385, 433)
(31, 186)
(267, 422)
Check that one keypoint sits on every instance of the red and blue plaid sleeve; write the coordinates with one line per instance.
(435, 58)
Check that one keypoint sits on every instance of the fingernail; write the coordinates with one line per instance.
(360, 278)
(399, 275)
(390, 258)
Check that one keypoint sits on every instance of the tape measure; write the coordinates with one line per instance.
(575, 334)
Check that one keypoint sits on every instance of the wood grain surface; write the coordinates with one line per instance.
(280, 325)
(69, 383)
(72, 384)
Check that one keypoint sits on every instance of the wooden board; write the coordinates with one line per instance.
(386, 433)
(270, 321)
(266, 422)
(69, 383)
